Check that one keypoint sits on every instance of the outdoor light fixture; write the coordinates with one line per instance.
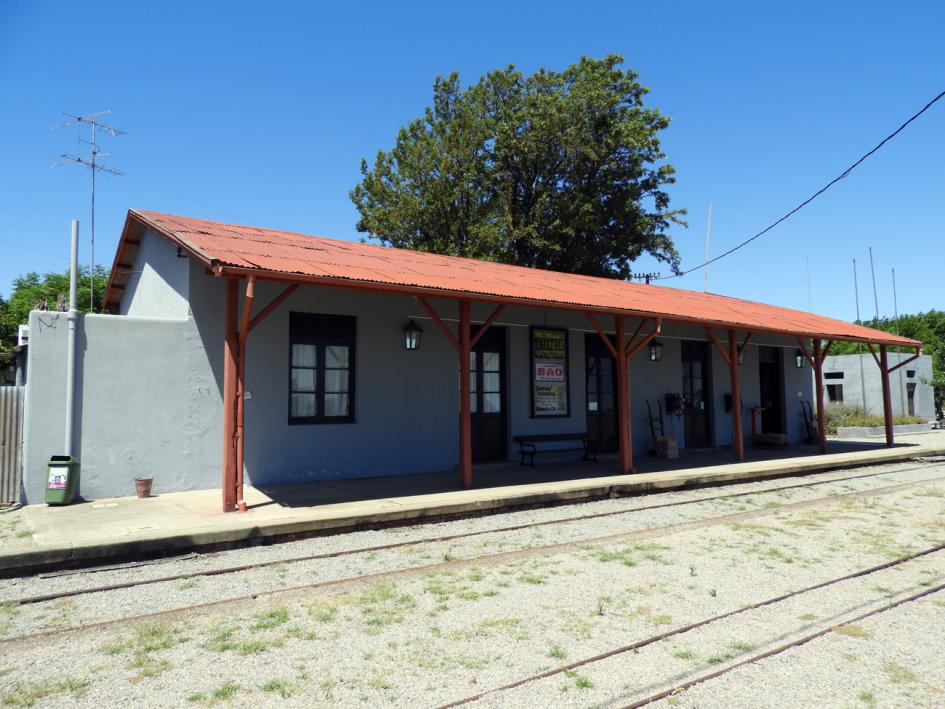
(741, 358)
(656, 351)
(412, 336)
(799, 359)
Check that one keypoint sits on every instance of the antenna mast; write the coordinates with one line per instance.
(93, 121)
(859, 346)
(708, 232)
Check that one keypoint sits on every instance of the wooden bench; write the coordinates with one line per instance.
(528, 445)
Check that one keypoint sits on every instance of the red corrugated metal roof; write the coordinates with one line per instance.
(292, 256)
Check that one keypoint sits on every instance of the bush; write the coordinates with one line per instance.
(836, 415)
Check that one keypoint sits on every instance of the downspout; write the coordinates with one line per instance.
(73, 316)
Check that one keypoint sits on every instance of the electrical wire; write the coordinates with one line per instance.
(812, 197)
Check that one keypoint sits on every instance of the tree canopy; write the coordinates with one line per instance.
(558, 170)
(32, 289)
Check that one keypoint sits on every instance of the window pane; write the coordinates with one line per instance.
(491, 403)
(472, 361)
(336, 356)
(473, 402)
(490, 361)
(336, 404)
(490, 381)
(303, 405)
(591, 401)
(303, 379)
(336, 380)
(472, 382)
(303, 356)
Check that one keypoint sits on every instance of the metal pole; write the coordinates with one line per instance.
(859, 346)
(92, 236)
(875, 297)
(902, 395)
(708, 231)
(72, 317)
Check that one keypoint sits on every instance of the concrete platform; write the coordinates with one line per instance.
(127, 527)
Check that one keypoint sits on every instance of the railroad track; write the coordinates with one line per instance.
(42, 598)
(714, 619)
(485, 558)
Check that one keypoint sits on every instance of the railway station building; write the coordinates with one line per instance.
(240, 356)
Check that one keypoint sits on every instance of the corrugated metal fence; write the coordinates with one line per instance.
(11, 442)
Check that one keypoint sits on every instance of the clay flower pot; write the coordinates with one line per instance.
(143, 487)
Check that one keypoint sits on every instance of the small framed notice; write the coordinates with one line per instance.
(549, 359)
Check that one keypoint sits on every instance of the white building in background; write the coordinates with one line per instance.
(910, 385)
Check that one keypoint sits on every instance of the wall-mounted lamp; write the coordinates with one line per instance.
(799, 358)
(741, 358)
(656, 351)
(413, 333)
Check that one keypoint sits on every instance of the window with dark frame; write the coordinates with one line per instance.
(321, 368)
(835, 393)
(833, 375)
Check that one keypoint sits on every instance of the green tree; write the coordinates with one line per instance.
(31, 290)
(558, 170)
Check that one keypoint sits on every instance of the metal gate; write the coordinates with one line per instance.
(11, 442)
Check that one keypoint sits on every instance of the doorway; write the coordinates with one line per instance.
(697, 418)
(600, 407)
(488, 399)
(771, 389)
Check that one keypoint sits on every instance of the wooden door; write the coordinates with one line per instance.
(488, 399)
(600, 404)
(696, 397)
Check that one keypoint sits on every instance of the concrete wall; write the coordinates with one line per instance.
(158, 285)
(146, 405)
(853, 389)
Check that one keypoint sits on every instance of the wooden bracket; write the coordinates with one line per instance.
(603, 335)
(718, 346)
(485, 326)
(657, 328)
(276, 302)
(439, 323)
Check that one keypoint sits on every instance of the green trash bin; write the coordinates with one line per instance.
(62, 480)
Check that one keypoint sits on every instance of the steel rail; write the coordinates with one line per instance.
(699, 624)
(783, 648)
(42, 598)
(495, 557)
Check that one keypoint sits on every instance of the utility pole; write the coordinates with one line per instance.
(92, 162)
(859, 346)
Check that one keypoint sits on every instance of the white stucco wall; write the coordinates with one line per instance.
(871, 383)
(159, 282)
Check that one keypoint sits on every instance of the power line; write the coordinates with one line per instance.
(813, 196)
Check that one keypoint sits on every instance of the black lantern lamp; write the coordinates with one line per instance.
(656, 351)
(413, 333)
(799, 358)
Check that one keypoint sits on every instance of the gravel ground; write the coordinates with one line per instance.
(426, 638)
(122, 603)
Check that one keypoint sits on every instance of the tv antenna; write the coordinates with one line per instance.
(91, 161)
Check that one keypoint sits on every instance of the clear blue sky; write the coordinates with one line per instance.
(260, 113)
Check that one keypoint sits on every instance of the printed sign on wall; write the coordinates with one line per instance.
(549, 372)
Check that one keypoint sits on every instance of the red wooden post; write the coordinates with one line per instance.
(230, 347)
(818, 361)
(738, 439)
(887, 399)
(241, 336)
(465, 416)
(623, 401)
